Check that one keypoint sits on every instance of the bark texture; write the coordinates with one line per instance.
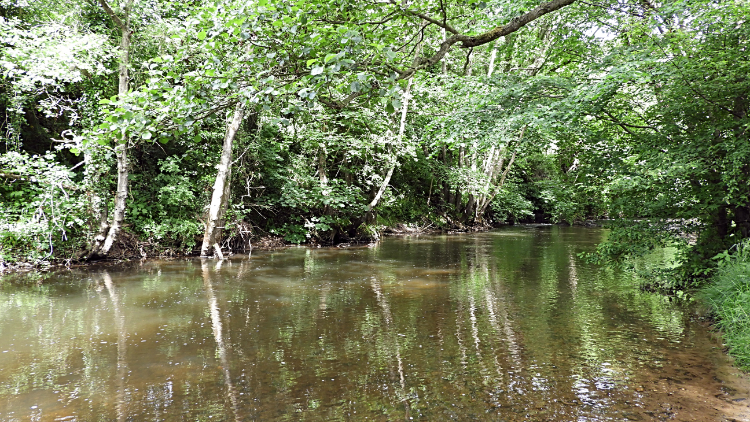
(220, 194)
(103, 244)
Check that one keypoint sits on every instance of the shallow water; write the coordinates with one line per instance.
(508, 325)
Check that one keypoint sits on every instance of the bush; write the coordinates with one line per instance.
(728, 297)
(42, 213)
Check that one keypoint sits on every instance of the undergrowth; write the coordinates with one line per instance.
(728, 297)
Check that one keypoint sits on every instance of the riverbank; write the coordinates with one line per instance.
(728, 299)
(131, 247)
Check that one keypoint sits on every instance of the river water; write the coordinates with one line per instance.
(508, 325)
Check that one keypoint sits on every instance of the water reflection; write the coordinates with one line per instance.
(218, 332)
(507, 325)
(122, 346)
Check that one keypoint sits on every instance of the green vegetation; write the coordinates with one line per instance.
(141, 128)
(729, 299)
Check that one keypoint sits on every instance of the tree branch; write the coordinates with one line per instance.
(515, 24)
(622, 124)
(427, 18)
(12, 176)
(468, 42)
(113, 15)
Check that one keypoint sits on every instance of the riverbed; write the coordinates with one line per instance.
(508, 325)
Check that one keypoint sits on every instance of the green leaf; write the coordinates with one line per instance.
(389, 107)
(329, 57)
(317, 70)
(311, 61)
(146, 135)
(201, 35)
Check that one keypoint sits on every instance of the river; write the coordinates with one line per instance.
(508, 325)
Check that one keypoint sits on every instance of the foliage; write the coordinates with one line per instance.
(510, 205)
(44, 215)
(728, 298)
(631, 111)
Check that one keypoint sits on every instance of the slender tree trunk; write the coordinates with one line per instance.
(470, 205)
(500, 184)
(220, 194)
(447, 196)
(482, 206)
(445, 58)
(121, 149)
(225, 201)
(469, 62)
(493, 56)
(322, 173)
(401, 129)
(457, 198)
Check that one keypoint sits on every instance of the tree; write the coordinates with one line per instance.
(108, 232)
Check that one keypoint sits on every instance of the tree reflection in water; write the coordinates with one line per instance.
(507, 325)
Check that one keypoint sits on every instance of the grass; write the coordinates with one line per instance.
(728, 297)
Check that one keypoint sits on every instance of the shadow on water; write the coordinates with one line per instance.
(508, 325)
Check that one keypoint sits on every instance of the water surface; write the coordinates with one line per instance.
(508, 325)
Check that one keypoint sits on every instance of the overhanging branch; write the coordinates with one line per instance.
(468, 42)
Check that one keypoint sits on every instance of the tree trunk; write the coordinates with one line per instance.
(480, 211)
(445, 58)
(468, 64)
(220, 194)
(481, 207)
(470, 205)
(120, 197)
(491, 68)
(457, 198)
(121, 149)
(322, 173)
(401, 129)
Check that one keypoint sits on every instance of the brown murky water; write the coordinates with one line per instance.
(502, 326)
